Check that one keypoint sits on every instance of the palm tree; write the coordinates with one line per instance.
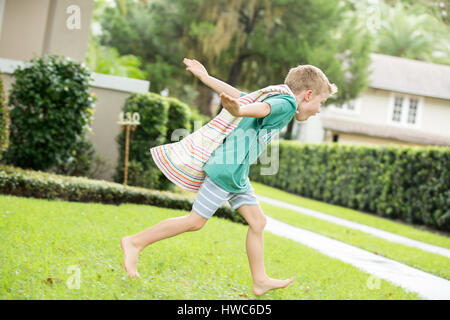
(410, 31)
(404, 35)
(107, 60)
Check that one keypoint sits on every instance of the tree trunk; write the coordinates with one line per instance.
(288, 133)
(236, 71)
(234, 74)
(248, 29)
(204, 99)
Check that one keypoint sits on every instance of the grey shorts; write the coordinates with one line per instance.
(211, 197)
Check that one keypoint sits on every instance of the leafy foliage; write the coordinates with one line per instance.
(407, 183)
(79, 164)
(179, 116)
(153, 110)
(29, 183)
(161, 118)
(107, 60)
(4, 120)
(409, 29)
(249, 44)
(51, 111)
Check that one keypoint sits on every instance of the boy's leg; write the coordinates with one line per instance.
(209, 198)
(256, 220)
(134, 244)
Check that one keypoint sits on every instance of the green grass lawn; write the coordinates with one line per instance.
(397, 227)
(45, 243)
(414, 257)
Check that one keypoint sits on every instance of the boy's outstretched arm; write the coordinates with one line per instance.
(217, 85)
(254, 110)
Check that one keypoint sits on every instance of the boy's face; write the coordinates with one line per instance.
(308, 105)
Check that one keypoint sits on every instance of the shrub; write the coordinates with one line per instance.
(198, 117)
(407, 183)
(29, 183)
(79, 164)
(178, 116)
(139, 176)
(153, 110)
(160, 118)
(4, 120)
(51, 111)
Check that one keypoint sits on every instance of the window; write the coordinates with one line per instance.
(412, 113)
(405, 110)
(350, 107)
(397, 114)
(335, 137)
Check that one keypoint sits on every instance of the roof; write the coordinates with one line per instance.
(383, 131)
(410, 76)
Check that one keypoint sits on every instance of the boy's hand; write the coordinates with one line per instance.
(196, 68)
(231, 104)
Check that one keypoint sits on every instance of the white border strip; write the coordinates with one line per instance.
(107, 81)
(100, 80)
(8, 65)
(386, 235)
(428, 286)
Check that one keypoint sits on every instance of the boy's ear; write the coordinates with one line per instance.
(308, 95)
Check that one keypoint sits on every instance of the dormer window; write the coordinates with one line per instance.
(351, 106)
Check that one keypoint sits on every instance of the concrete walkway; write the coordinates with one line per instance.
(426, 285)
(357, 226)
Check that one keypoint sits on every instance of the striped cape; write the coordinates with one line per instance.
(182, 161)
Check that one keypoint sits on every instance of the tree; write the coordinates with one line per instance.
(249, 44)
(104, 59)
(107, 60)
(439, 8)
(410, 30)
(136, 28)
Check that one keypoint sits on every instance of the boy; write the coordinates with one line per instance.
(308, 87)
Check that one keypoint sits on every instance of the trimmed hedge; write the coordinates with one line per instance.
(160, 118)
(407, 183)
(198, 119)
(153, 110)
(37, 184)
(4, 120)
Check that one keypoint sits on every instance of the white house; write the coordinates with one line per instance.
(407, 103)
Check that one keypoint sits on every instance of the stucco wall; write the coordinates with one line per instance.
(23, 37)
(346, 138)
(436, 116)
(374, 107)
(36, 27)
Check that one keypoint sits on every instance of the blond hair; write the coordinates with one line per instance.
(308, 77)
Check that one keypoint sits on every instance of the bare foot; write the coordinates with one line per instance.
(131, 255)
(259, 288)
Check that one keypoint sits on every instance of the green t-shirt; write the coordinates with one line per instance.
(229, 164)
